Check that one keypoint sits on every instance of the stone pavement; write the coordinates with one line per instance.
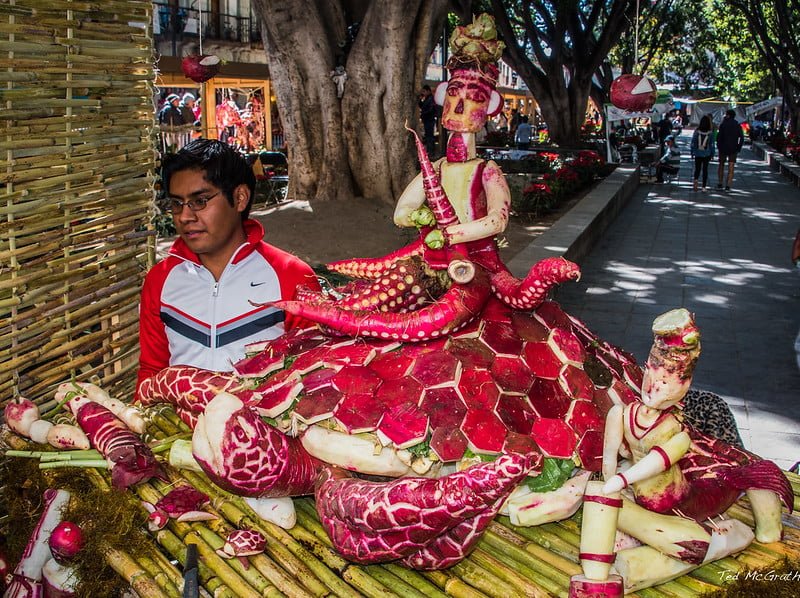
(725, 256)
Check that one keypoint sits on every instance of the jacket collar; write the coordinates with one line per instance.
(252, 230)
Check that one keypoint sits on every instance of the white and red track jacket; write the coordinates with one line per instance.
(188, 318)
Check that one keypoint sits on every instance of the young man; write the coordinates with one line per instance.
(202, 304)
(730, 140)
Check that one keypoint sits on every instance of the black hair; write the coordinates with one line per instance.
(705, 123)
(730, 113)
(224, 167)
(426, 87)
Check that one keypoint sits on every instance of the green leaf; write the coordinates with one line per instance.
(554, 473)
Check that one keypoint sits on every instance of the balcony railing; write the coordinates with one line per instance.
(178, 23)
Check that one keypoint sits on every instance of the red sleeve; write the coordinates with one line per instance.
(292, 273)
(153, 344)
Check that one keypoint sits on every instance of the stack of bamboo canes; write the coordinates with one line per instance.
(508, 561)
(76, 178)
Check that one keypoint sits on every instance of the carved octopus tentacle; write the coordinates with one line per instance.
(374, 267)
(528, 293)
(404, 287)
(453, 310)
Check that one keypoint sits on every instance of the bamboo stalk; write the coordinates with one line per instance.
(525, 579)
(388, 579)
(453, 586)
(280, 546)
(144, 585)
(488, 583)
(416, 580)
(223, 570)
(159, 576)
(365, 583)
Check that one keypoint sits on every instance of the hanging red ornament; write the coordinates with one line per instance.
(633, 92)
(200, 67)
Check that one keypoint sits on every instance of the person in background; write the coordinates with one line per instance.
(187, 109)
(670, 162)
(702, 149)
(730, 140)
(427, 114)
(523, 135)
(515, 120)
(664, 131)
(170, 114)
(211, 295)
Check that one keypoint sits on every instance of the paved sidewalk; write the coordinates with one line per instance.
(726, 257)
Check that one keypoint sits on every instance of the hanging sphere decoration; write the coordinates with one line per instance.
(636, 93)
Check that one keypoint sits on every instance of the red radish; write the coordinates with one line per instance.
(131, 460)
(20, 413)
(66, 436)
(22, 417)
(65, 541)
(357, 514)
(130, 415)
(199, 67)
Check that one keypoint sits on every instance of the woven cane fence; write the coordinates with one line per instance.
(76, 179)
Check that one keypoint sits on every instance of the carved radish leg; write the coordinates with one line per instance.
(529, 293)
(456, 308)
(243, 455)
(374, 267)
(130, 459)
(429, 523)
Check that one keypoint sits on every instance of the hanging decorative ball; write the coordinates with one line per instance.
(633, 92)
(200, 67)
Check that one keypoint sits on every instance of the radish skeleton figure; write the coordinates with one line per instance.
(446, 372)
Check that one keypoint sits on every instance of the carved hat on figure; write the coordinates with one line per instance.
(470, 96)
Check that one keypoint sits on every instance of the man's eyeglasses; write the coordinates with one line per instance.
(195, 205)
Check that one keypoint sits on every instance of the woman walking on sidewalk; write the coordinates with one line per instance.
(702, 148)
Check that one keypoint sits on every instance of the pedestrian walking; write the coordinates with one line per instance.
(523, 135)
(702, 148)
(730, 140)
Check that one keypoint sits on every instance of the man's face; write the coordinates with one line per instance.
(466, 102)
(215, 231)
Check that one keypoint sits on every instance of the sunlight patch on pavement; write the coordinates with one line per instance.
(712, 299)
(739, 280)
(765, 214)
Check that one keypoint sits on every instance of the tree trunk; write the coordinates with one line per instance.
(578, 38)
(354, 145)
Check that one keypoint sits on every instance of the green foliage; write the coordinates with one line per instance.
(703, 47)
(554, 473)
